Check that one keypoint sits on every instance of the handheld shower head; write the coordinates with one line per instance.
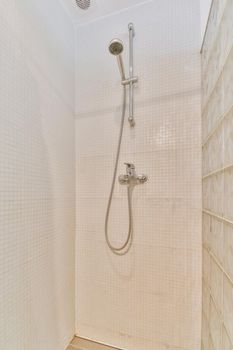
(116, 47)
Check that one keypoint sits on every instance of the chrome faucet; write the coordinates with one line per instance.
(131, 178)
(130, 169)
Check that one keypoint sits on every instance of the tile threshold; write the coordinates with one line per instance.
(84, 344)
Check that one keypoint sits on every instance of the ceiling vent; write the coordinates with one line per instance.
(83, 4)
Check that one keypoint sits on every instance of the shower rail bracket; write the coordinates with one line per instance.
(129, 81)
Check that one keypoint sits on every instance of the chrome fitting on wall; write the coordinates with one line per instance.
(132, 80)
(116, 48)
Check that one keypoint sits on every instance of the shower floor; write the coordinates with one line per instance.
(82, 344)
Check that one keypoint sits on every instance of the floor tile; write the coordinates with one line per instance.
(82, 344)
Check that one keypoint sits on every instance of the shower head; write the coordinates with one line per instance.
(116, 47)
(83, 4)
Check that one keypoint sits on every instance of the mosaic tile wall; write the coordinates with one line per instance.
(36, 176)
(150, 298)
(217, 124)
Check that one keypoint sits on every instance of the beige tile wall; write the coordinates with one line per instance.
(37, 214)
(151, 298)
(217, 122)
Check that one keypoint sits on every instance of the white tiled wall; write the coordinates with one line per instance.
(36, 176)
(151, 298)
(217, 121)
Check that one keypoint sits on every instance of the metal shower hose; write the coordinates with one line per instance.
(124, 248)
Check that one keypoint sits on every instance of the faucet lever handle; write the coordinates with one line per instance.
(130, 165)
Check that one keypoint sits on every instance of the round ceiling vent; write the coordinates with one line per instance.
(83, 4)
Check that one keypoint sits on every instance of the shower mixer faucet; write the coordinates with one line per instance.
(131, 179)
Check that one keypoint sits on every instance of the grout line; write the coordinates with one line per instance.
(217, 171)
(211, 93)
(215, 39)
(212, 255)
(217, 80)
(220, 266)
(219, 217)
(216, 127)
(217, 30)
(220, 313)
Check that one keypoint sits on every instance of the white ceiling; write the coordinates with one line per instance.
(98, 9)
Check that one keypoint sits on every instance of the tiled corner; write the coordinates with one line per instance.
(217, 69)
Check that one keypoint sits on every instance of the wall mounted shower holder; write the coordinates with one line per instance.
(129, 81)
(116, 48)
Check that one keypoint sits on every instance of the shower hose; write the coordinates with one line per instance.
(124, 248)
